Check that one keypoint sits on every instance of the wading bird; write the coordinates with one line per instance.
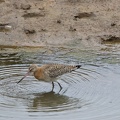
(50, 72)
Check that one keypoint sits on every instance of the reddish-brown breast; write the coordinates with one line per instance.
(39, 74)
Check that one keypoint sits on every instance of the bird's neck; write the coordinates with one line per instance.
(38, 74)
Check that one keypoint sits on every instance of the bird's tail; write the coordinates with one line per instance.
(78, 66)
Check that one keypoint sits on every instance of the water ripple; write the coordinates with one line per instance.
(91, 92)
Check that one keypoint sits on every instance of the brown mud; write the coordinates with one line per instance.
(59, 22)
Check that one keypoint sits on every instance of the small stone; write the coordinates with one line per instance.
(5, 26)
(41, 8)
(29, 31)
(59, 21)
(43, 29)
(25, 7)
(72, 29)
(113, 24)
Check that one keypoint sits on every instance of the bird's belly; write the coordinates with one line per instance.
(48, 79)
(44, 77)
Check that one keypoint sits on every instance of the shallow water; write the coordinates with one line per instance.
(92, 92)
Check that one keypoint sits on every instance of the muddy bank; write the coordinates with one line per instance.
(59, 22)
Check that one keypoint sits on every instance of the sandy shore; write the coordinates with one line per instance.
(59, 22)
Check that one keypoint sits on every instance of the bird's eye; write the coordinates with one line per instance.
(30, 69)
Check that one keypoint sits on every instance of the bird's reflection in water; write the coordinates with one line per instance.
(54, 101)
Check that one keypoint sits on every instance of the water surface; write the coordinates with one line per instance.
(92, 92)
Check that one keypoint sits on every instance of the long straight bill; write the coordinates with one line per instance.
(23, 77)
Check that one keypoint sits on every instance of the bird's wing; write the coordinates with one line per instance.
(55, 70)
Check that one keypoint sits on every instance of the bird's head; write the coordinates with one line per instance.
(31, 70)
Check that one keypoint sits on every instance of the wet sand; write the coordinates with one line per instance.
(59, 22)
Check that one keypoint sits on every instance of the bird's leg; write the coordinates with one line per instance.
(60, 86)
(52, 86)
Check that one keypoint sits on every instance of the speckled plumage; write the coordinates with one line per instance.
(50, 72)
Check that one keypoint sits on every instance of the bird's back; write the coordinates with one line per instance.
(55, 70)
